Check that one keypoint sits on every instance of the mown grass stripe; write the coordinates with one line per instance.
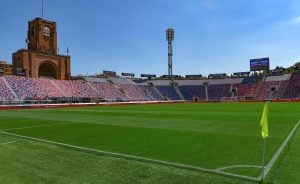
(136, 158)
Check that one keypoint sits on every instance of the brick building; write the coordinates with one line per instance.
(5, 68)
(41, 58)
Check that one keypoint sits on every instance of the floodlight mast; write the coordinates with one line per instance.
(170, 38)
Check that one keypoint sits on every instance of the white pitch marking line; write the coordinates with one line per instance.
(137, 158)
(99, 122)
(8, 142)
(49, 125)
(280, 149)
(37, 126)
(237, 166)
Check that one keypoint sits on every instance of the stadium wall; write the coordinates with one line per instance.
(75, 105)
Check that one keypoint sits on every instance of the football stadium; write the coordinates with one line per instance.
(119, 127)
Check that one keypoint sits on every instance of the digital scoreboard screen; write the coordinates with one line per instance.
(259, 64)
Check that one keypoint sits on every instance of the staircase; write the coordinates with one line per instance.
(162, 97)
(206, 91)
(149, 97)
(120, 90)
(179, 92)
(260, 87)
(283, 89)
(59, 89)
(175, 85)
(9, 87)
(230, 90)
(91, 86)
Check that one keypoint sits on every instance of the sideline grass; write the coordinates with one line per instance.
(288, 170)
(33, 162)
(204, 135)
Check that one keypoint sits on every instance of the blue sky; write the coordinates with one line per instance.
(211, 36)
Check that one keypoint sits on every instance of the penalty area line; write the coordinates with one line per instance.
(137, 158)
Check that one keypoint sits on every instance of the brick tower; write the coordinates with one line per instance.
(41, 59)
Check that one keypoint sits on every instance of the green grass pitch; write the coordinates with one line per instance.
(209, 136)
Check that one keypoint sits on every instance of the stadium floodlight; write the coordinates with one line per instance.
(170, 34)
(170, 38)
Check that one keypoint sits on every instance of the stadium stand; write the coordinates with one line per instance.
(273, 87)
(151, 91)
(190, 92)
(109, 91)
(77, 88)
(216, 92)
(293, 87)
(168, 92)
(282, 88)
(285, 86)
(254, 90)
(267, 90)
(242, 90)
(37, 88)
(134, 93)
(5, 93)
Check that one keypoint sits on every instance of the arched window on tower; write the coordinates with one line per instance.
(32, 31)
(46, 31)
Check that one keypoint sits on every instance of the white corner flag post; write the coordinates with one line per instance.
(263, 160)
(265, 134)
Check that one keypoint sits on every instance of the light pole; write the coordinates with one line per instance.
(170, 38)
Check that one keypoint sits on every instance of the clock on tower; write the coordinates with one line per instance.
(42, 36)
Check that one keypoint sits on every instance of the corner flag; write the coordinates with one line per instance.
(264, 121)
